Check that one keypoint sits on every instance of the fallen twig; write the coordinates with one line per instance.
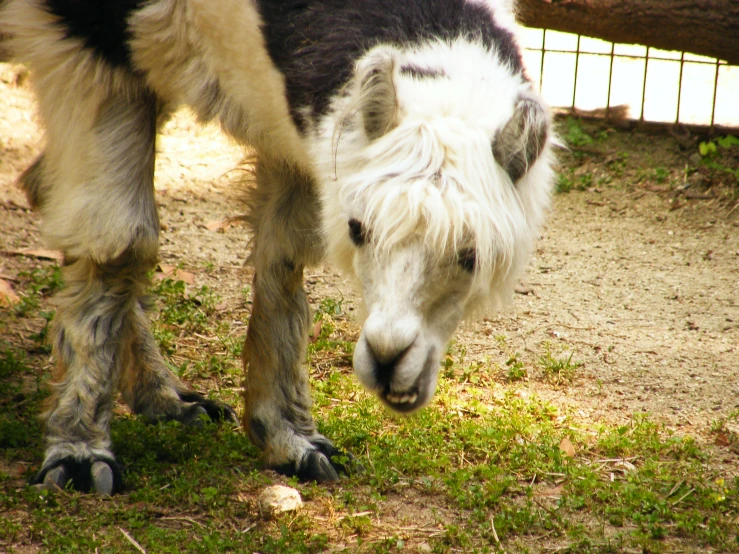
(682, 498)
(39, 253)
(132, 540)
(495, 535)
(184, 518)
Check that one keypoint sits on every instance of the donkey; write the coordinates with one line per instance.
(402, 140)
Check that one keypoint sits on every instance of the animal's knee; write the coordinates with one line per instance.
(284, 214)
(97, 305)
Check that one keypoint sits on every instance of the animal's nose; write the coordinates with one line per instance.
(385, 363)
(388, 341)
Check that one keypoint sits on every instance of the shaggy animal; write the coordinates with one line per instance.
(402, 139)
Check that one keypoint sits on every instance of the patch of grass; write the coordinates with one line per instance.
(633, 499)
(327, 336)
(189, 331)
(163, 508)
(184, 309)
(42, 336)
(180, 312)
(12, 363)
(485, 463)
(488, 459)
(558, 369)
(568, 181)
(328, 307)
(565, 182)
(584, 181)
(660, 175)
(214, 365)
(574, 134)
(617, 165)
(713, 151)
(658, 484)
(516, 369)
(19, 402)
(40, 282)
(481, 464)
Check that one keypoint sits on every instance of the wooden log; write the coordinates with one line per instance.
(4, 52)
(706, 27)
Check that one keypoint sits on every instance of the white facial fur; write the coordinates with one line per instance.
(413, 303)
(427, 191)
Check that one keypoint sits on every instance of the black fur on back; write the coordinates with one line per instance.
(101, 24)
(316, 42)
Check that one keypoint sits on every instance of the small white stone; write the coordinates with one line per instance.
(278, 498)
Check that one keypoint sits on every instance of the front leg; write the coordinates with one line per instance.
(277, 394)
(283, 216)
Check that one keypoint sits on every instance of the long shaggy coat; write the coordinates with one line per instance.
(400, 138)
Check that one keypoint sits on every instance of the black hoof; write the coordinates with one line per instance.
(343, 462)
(101, 476)
(323, 464)
(313, 466)
(216, 411)
(316, 466)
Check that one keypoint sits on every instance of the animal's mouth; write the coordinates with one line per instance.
(401, 401)
(402, 398)
(414, 397)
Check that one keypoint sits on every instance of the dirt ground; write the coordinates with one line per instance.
(639, 283)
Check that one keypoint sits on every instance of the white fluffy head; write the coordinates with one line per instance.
(434, 174)
(423, 153)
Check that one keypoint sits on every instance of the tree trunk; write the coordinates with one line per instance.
(707, 27)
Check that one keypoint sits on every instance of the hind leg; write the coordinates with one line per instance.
(283, 216)
(98, 206)
(150, 388)
(90, 316)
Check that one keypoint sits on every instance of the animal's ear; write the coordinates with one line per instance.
(518, 145)
(377, 96)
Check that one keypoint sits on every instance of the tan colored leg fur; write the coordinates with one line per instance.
(283, 217)
(94, 187)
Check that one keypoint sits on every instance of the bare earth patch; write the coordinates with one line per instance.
(637, 282)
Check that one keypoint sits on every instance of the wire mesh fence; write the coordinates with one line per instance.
(596, 77)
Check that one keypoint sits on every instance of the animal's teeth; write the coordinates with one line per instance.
(402, 398)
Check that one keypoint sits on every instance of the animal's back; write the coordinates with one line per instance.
(101, 24)
(313, 44)
(316, 43)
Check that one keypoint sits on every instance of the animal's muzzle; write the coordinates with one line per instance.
(417, 395)
(391, 378)
(395, 361)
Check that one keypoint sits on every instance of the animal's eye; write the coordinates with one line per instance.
(357, 232)
(467, 259)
